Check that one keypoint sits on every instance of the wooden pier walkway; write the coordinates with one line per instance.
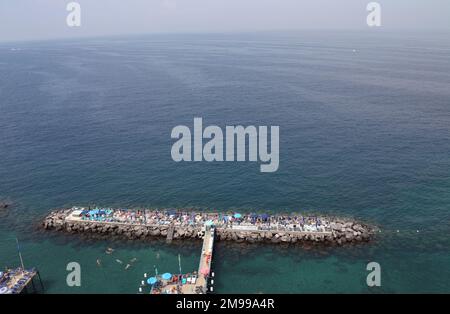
(204, 267)
(199, 285)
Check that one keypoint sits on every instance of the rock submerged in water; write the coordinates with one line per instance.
(4, 205)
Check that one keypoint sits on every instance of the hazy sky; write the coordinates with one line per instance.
(42, 19)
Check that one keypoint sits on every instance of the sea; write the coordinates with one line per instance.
(364, 120)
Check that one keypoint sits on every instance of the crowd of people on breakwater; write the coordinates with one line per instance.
(293, 222)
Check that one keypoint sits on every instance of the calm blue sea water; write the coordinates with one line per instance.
(364, 132)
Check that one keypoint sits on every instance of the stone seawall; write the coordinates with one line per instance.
(342, 231)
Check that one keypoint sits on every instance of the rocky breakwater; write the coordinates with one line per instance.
(56, 220)
(339, 232)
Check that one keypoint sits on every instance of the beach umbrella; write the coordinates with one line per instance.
(166, 276)
(264, 216)
(237, 215)
(151, 280)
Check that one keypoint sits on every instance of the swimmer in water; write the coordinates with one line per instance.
(99, 262)
(133, 260)
(128, 266)
(157, 255)
(119, 261)
(109, 250)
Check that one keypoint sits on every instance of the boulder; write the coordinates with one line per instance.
(155, 232)
(275, 239)
(4, 205)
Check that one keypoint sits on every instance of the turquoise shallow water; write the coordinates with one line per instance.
(364, 132)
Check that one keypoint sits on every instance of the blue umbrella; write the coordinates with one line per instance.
(237, 215)
(264, 216)
(151, 280)
(166, 276)
(171, 212)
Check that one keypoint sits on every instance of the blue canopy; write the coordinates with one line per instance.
(171, 212)
(151, 280)
(166, 276)
(237, 215)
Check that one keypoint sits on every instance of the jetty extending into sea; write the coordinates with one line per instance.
(195, 282)
(178, 224)
(182, 224)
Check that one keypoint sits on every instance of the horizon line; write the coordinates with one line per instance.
(225, 32)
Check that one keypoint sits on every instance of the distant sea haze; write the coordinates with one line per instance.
(364, 123)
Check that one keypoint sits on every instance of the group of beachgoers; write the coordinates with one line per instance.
(189, 218)
(172, 285)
